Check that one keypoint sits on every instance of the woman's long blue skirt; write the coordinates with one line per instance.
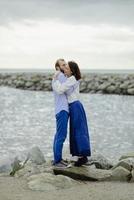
(79, 135)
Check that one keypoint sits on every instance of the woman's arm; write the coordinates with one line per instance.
(60, 88)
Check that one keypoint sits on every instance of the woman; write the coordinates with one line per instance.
(79, 136)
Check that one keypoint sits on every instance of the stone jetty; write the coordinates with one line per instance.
(122, 84)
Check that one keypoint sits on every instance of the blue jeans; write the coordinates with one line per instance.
(61, 134)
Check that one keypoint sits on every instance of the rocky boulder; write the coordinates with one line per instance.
(49, 182)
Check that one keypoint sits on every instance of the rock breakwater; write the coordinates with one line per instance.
(90, 83)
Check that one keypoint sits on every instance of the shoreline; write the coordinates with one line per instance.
(51, 70)
(35, 178)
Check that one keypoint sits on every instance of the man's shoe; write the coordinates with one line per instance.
(81, 161)
(61, 165)
(65, 162)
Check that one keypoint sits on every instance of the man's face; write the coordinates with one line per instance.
(62, 65)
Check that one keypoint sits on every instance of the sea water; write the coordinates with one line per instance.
(27, 119)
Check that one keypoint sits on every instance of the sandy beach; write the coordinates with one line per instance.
(16, 189)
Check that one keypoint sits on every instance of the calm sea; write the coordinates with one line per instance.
(27, 119)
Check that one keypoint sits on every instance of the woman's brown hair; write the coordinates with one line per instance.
(75, 69)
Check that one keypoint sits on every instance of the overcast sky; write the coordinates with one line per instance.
(95, 33)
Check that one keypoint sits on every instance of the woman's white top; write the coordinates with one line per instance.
(70, 87)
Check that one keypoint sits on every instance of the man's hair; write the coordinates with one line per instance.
(75, 69)
(57, 62)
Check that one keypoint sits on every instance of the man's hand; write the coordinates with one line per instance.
(56, 75)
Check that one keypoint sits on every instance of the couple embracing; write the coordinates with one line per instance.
(65, 86)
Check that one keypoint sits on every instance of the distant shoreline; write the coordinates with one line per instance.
(41, 70)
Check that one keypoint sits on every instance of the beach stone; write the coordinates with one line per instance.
(125, 85)
(130, 161)
(117, 90)
(36, 156)
(1, 81)
(49, 182)
(131, 86)
(128, 155)
(111, 89)
(103, 86)
(84, 173)
(120, 174)
(20, 83)
(33, 164)
(31, 168)
(28, 84)
(38, 88)
(123, 163)
(96, 86)
(83, 86)
(130, 91)
(9, 82)
(47, 85)
(27, 170)
(16, 165)
(104, 77)
(35, 79)
(100, 161)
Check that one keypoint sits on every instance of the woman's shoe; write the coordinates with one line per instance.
(81, 161)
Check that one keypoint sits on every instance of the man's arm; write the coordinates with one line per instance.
(58, 76)
(60, 88)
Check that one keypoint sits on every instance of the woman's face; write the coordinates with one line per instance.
(67, 71)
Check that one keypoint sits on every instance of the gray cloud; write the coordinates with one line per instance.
(71, 11)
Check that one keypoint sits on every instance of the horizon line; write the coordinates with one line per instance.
(4, 68)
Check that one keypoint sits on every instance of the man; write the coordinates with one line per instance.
(62, 115)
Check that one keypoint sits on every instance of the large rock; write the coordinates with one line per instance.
(36, 156)
(16, 165)
(125, 85)
(103, 86)
(85, 173)
(32, 169)
(83, 86)
(130, 91)
(33, 164)
(28, 84)
(120, 174)
(100, 161)
(35, 79)
(27, 170)
(20, 83)
(49, 182)
(131, 86)
(111, 89)
(128, 155)
(127, 163)
(124, 164)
